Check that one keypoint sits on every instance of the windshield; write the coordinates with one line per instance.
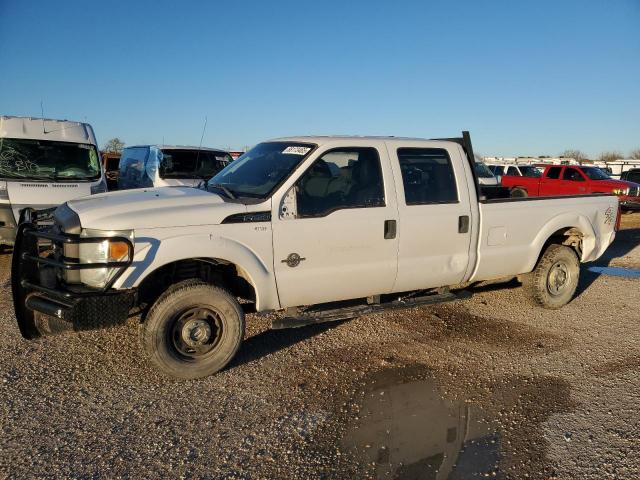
(259, 171)
(595, 173)
(483, 171)
(47, 160)
(203, 164)
(530, 171)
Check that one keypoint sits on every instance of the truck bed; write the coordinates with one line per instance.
(513, 231)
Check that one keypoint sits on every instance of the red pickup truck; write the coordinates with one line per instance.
(573, 180)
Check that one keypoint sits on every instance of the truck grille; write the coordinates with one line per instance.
(634, 191)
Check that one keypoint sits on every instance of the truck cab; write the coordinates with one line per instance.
(319, 228)
(44, 163)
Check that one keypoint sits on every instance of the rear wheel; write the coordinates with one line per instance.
(193, 330)
(518, 193)
(554, 281)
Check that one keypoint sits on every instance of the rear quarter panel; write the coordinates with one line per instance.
(513, 233)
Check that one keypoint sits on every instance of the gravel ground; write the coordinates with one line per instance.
(490, 384)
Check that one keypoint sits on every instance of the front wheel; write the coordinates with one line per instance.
(553, 282)
(193, 330)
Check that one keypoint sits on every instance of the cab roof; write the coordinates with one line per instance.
(46, 129)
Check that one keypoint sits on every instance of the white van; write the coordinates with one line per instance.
(169, 166)
(44, 163)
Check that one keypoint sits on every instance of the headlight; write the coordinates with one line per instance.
(103, 252)
(621, 191)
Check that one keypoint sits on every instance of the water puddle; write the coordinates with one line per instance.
(410, 431)
(616, 271)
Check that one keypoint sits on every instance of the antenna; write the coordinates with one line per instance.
(206, 180)
(201, 137)
(44, 131)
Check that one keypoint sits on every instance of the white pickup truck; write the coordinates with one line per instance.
(322, 227)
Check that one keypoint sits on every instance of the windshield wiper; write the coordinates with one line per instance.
(226, 191)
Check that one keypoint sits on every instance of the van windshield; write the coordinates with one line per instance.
(47, 160)
(175, 163)
(262, 169)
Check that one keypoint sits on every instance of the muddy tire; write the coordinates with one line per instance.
(193, 330)
(553, 282)
(518, 193)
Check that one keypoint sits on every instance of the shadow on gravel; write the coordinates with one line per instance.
(446, 323)
(626, 240)
(271, 341)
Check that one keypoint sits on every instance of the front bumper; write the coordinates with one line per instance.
(630, 204)
(43, 303)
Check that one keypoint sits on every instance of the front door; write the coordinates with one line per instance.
(334, 232)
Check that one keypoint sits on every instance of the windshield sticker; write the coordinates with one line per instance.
(293, 150)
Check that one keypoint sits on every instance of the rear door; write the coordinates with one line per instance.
(435, 214)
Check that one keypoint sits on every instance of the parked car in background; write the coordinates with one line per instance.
(169, 166)
(111, 165)
(516, 170)
(44, 163)
(296, 224)
(485, 175)
(573, 180)
(632, 175)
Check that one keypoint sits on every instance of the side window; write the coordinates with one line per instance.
(572, 174)
(512, 171)
(427, 176)
(554, 172)
(341, 178)
(634, 177)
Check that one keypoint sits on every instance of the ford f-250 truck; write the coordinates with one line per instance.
(323, 227)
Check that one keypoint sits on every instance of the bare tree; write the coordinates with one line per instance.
(635, 154)
(611, 156)
(115, 145)
(575, 154)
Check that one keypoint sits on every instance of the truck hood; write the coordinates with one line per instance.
(153, 208)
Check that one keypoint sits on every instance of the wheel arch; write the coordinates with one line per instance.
(222, 259)
(574, 231)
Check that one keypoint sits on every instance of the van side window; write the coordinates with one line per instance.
(513, 171)
(427, 176)
(341, 178)
(554, 172)
(572, 174)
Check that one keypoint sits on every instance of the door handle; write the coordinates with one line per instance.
(463, 224)
(389, 229)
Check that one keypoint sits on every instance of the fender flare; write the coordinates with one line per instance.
(149, 257)
(564, 221)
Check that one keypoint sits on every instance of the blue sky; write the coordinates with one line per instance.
(526, 78)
